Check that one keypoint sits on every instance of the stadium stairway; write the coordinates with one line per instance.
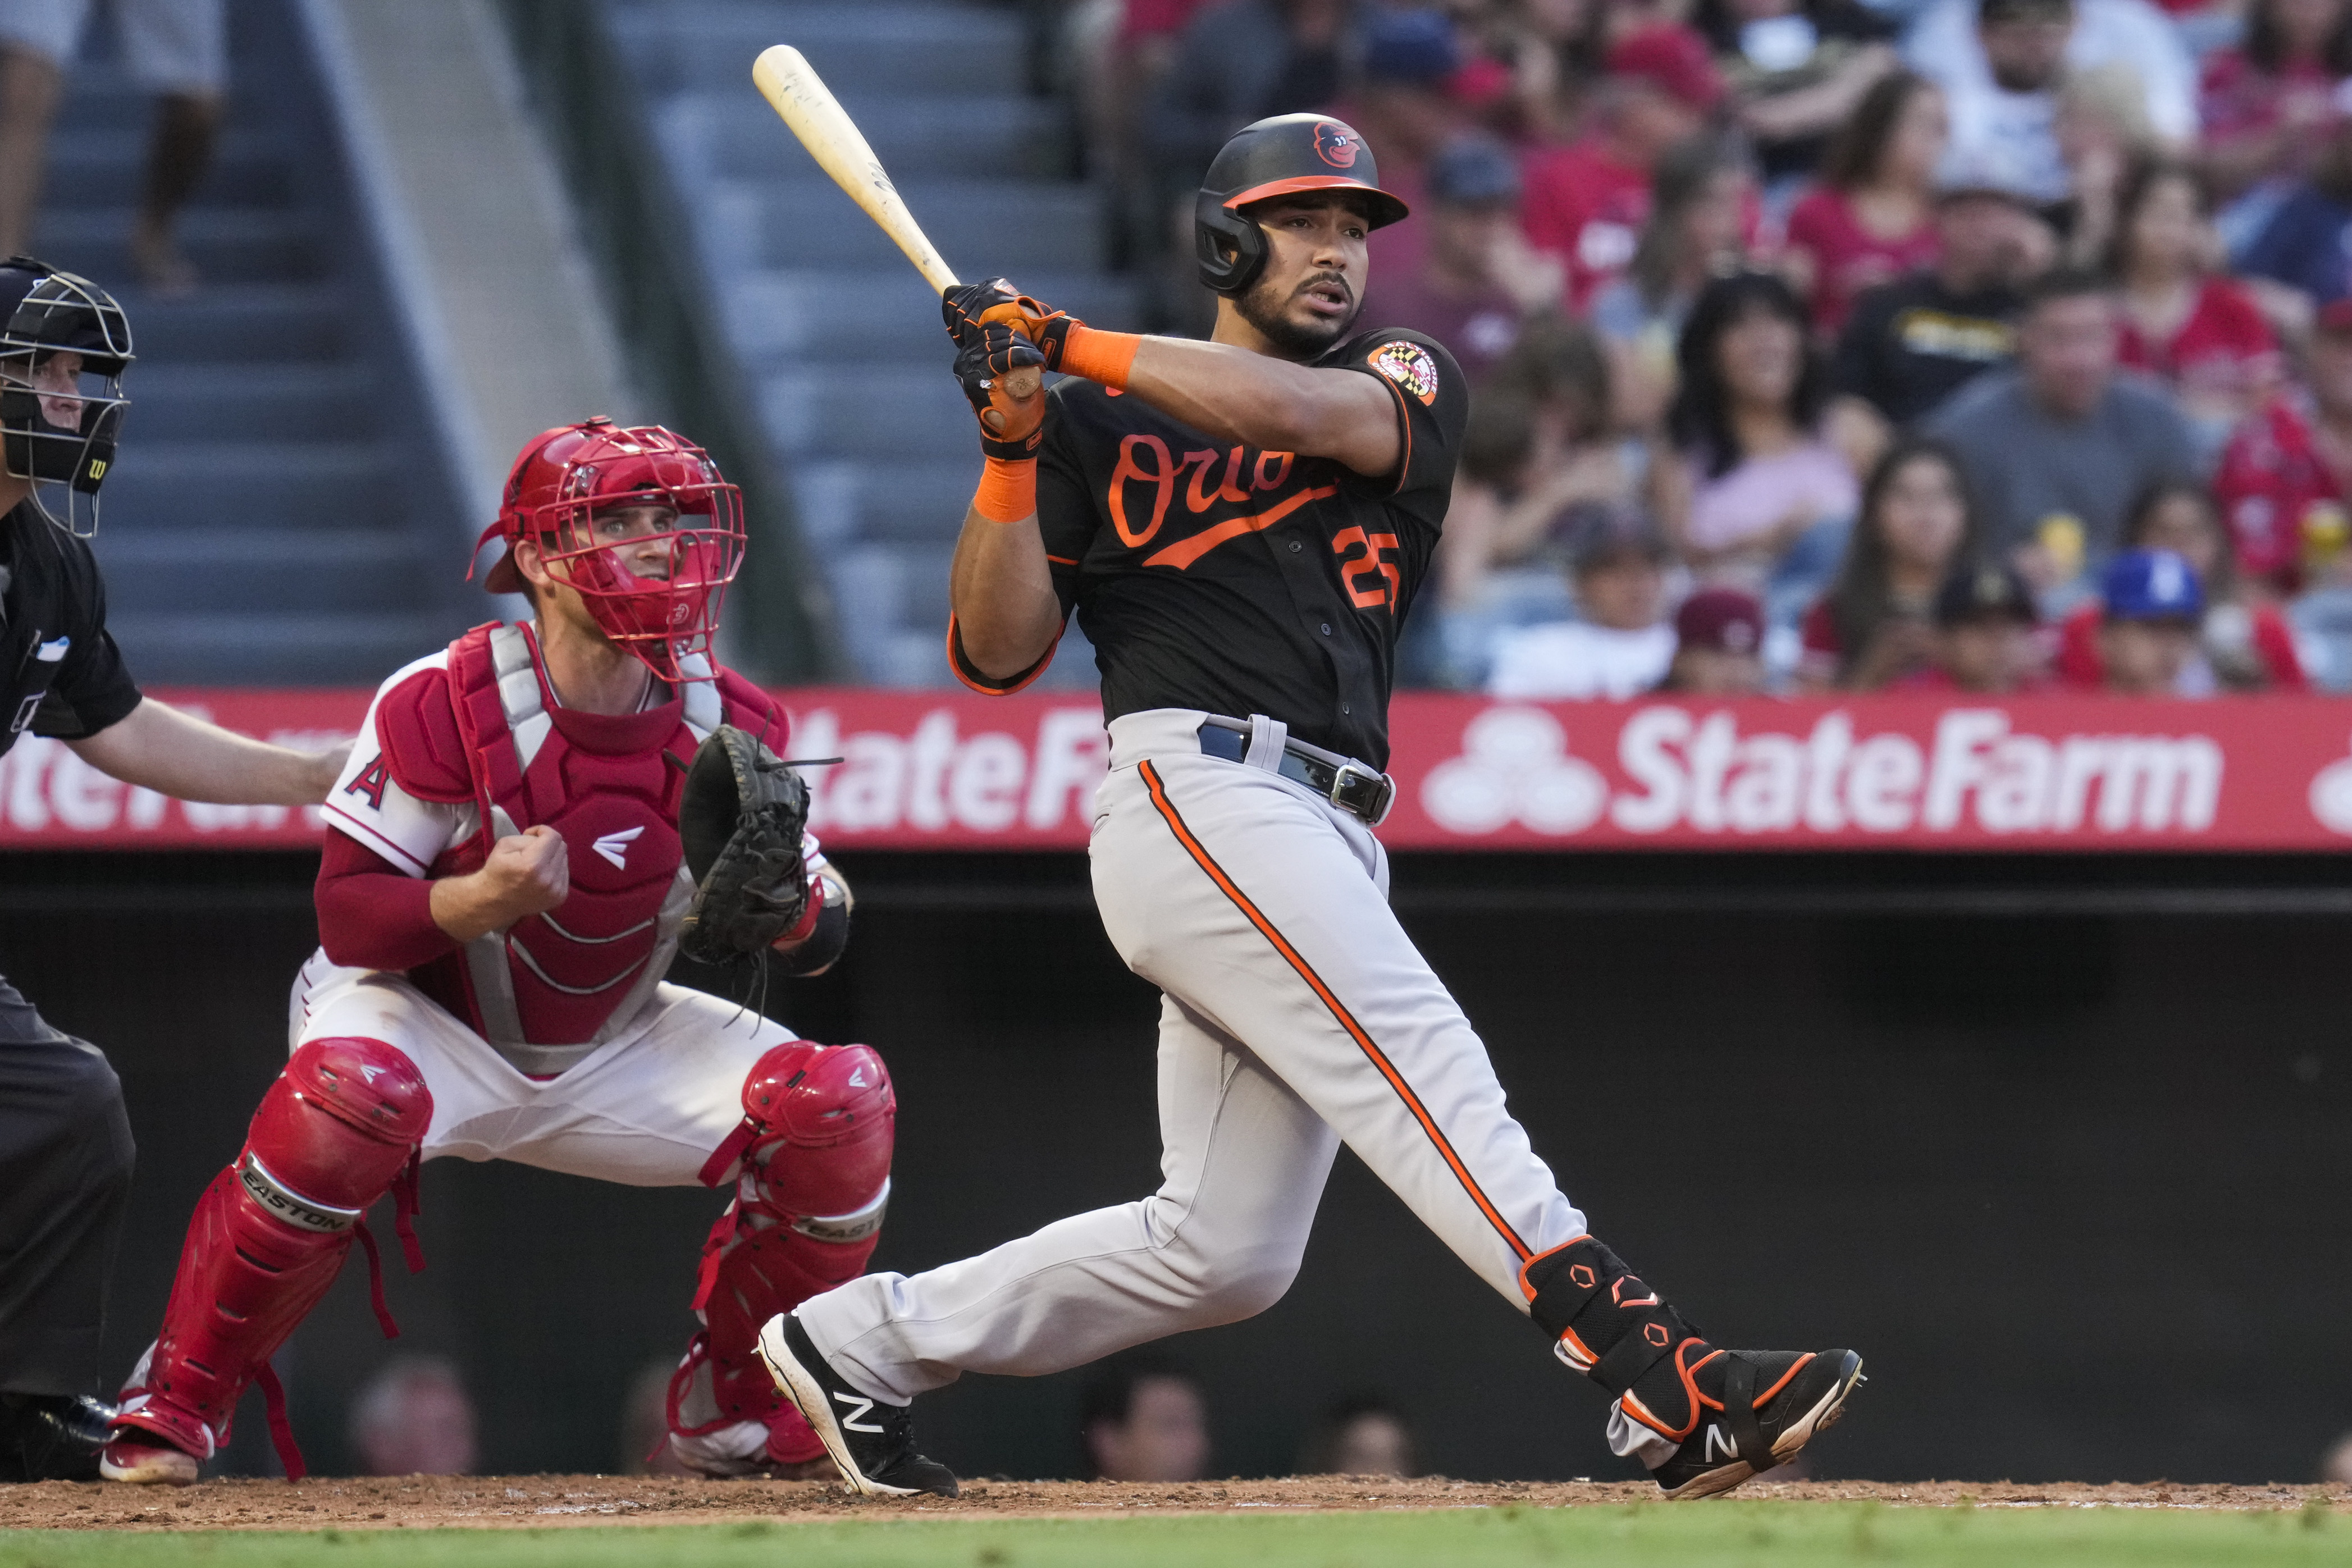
(836, 331)
(278, 514)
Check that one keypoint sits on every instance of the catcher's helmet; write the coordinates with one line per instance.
(45, 312)
(1277, 157)
(569, 477)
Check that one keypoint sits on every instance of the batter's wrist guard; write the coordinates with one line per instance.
(1607, 1324)
(1106, 358)
(1008, 490)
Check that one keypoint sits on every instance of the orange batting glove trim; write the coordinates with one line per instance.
(1099, 356)
(1008, 490)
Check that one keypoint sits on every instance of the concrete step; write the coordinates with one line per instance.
(107, 169)
(182, 400)
(233, 321)
(249, 243)
(874, 411)
(181, 485)
(274, 648)
(980, 226)
(891, 598)
(247, 570)
(731, 132)
(860, 47)
(804, 314)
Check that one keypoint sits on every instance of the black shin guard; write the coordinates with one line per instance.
(1607, 1324)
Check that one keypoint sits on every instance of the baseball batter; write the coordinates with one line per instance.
(497, 904)
(1241, 526)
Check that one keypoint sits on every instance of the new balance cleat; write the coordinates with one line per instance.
(1771, 1404)
(871, 1442)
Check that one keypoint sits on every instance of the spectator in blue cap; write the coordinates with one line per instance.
(1402, 103)
(2147, 628)
(1478, 278)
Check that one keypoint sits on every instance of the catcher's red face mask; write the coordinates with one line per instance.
(640, 524)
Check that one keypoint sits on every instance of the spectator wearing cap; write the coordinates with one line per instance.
(2199, 334)
(1718, 645)
(2285, 477)
(2150, 604)
(1696, 230)
(2055, 448)
(1587, 201)
(2266, 103)
(1796, 70)
(1407, 99)
(2001, 62)
(1987, 634)
(2243, 643)
(1622, 643)
(1911, 344)
(1872, 218)
(1874, 627)
(1757, 474)
(1478, 278)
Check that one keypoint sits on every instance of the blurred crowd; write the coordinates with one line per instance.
(1975, 345)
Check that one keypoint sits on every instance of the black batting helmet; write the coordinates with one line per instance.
(44, 312)
(1277, 157)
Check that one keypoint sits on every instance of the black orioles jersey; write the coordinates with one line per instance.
(1237, 581)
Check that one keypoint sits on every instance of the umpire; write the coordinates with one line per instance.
(65, 1143)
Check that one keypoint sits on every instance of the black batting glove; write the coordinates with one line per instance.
(1011, 428)
(968, 308)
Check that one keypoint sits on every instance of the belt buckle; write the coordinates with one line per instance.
(1349, 774)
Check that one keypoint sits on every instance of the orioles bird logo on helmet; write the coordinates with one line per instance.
(1336, 146)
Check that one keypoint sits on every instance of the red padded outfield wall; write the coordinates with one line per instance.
(953, 770)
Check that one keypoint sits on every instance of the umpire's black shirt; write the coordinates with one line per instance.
(1237, 581)
(61, 674)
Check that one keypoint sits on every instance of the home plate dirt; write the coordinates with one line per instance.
(537, 1501)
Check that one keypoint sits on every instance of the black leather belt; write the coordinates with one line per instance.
(1360, 791)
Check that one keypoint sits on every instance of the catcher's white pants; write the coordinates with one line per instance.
(646, 1109)
(1296, 1013)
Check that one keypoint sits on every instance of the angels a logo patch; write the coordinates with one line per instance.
(1410, 366)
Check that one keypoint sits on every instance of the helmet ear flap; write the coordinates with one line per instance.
(1231, 248)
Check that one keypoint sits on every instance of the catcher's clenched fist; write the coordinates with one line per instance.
(527, 874)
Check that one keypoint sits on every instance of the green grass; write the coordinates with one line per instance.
(1721, 1535)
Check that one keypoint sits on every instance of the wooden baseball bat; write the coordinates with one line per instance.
(804, 103)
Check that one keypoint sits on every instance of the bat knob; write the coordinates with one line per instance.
(1023, 383)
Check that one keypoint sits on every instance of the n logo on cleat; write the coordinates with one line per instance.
(850, 1422)
(1716, 1438)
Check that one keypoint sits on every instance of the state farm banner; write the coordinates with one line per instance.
(958, 771)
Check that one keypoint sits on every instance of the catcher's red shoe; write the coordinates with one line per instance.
(142, 1460)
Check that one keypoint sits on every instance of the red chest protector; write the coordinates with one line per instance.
(552, 987)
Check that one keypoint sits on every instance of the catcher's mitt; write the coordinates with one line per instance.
(741, 820)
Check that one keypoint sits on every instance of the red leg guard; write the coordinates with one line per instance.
(815, 1145)
(332, 1135)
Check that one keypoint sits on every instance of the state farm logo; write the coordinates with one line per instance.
(1685, 771)
(1515, 768)
(931, 779)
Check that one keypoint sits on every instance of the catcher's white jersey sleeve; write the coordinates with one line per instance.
(368, 805)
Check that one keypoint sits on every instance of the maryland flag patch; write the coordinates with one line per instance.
(1410, 366)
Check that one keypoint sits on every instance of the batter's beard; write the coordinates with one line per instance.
(1259, 308)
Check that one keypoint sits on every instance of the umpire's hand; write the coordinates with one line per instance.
(528, 873)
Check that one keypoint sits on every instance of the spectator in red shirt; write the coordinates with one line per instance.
(1587, 201)
(1987, 634)
(1718, 645)
(1872, 628)
(2242, 642)
(2286, 477)
(1478, 278)
(2262, 102)
(2200, 335)
(1873, 217)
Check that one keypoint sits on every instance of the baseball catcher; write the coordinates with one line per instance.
(534, 820)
